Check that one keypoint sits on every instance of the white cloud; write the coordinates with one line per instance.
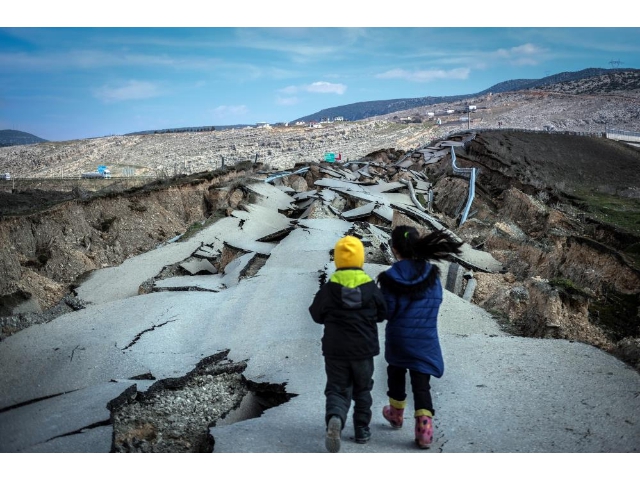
(132, 90)
(229, 111)
(290, 90)
(326, 87)
(527, 54)
(300, 44)
(286, 101)
(426, 75)
(315, 87)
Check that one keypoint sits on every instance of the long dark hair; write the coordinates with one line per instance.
(437, 245)
(410, 245)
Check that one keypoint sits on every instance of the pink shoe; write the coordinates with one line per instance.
(424, 431)
(393, 415)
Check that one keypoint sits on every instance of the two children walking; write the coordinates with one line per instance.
(351, 305)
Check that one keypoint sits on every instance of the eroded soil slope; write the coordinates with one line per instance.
(558, 162)
(571, 259)
(62, 239)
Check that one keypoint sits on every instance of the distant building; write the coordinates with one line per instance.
(472, 108)
(338, 119)
(263, 125)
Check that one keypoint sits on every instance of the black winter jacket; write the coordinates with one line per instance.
(349, 305)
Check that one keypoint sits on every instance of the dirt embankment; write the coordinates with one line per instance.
(50, 250)
(568, 274)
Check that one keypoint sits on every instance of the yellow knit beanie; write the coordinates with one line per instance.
(349, 252)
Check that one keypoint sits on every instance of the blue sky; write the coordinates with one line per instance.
(97, 76)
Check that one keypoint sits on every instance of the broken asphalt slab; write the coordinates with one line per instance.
(499, 393)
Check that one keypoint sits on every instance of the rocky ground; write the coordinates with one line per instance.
(162, 155)
(590, 105)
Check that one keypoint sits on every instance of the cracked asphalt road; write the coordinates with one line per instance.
(499, 393)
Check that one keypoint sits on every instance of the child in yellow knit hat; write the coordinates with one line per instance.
(349, 305)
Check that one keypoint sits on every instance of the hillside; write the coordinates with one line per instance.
(167, 154)
(16, 137)
(592, 105)
(361, 110)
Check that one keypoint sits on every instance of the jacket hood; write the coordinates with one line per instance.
(346, 287)
(409, 272)
(350, 277)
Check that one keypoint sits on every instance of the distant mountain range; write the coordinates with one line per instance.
(16, 137)
(362, 110)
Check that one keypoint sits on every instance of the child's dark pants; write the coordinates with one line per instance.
(396, 377)
(349, 380)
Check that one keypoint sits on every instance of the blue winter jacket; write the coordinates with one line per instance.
(413, 294)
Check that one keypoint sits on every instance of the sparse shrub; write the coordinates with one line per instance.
(244, 165)
(543, 196)
(561, 186)
(567, 286)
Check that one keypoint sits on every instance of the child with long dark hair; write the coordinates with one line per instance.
(413, 294)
